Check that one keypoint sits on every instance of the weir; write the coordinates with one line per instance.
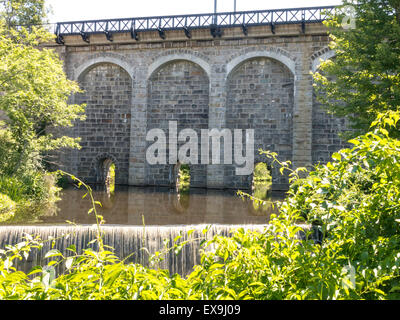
(126, 240)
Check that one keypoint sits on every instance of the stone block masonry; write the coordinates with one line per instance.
(105, 133)
(260, 81)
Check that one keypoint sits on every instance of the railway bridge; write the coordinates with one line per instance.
(235, 70)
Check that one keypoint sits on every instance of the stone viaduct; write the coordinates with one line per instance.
(249, 75)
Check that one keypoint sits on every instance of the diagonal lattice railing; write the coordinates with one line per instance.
(187, 22)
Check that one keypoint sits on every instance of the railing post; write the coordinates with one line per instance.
(215, 12)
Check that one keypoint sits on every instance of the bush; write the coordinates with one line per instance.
(7, 208)
(353, 201)
(34, 195)
(8, 156)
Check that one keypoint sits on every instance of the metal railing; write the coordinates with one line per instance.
(196, 21)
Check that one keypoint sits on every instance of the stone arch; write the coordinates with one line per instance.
(102, 58)
(107, 93)
(279, 55)
(161, 61)
(100, 166)
(178, 90)
(261, 96)
(320, 56)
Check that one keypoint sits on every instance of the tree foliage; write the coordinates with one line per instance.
(34, 99)
(364, 77)
(26, 13)
(34, 108)
(353, 202)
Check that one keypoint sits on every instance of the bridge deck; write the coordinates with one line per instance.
(196, 21)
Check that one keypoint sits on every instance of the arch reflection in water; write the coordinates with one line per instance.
(160, 206)
(261, 190)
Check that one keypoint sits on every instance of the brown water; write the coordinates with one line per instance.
(161, 207)
(165, 213)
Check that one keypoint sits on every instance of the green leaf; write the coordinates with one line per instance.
(336, 156)
(72, 248)
(111, 277)
(53, 253)
(35, 270)
(69, 263)
(353, 141)
(98, 203)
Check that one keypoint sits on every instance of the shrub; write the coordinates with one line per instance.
(354, 202)
(34, 196)
(7, 208)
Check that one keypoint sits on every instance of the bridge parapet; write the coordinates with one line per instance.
(186, 24)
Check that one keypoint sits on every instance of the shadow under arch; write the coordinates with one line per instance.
(101, 168)
(234, 63)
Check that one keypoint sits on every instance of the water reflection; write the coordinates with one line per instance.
(163, 206)
(261, 191)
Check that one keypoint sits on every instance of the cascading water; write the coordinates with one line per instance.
(126, 240)
(138, 219)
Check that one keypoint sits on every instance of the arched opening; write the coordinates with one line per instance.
(180, 177)
(183, 180)
(110, 178)
(262, 181)
(105, 175)
(261, 188)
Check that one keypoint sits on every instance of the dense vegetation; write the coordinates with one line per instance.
(33, 106)
(337, 233)
(354, 202)
(364, 77)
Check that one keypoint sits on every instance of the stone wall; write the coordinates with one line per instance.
(260, 97)
(326, 129)
(179, 91)
(259, 81)
(105, 134)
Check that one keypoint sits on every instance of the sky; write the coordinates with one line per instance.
(75, 10)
